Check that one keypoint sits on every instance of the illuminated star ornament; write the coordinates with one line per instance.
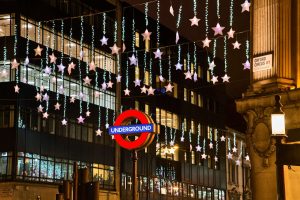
(195, 76)
(46, 97)
(70, 67)
(158, 53)
(137, 82)
(212, 65)
(57, 106)
(206, 42)
(223, 138)
(216, 159)
(146, 35)
(87, 80)
(45, 115)
(226, 78)
(161, 78)
(98, 132)
(198, 148)
(245, 6)
(61, 67)
(118, 78)
(214, 79)
(80, 120)
(229, 156)
(64, 122)
(169, 88)
(26, 61)
(178, 66)
(127, 92)
(103, 86)
(247, 157)
(104, 40)
(203, 156)
(171, 143)
(143, 89)
(188, 75)
(109, 84)
(52, 58)
(238, 162)
(182, 139)
(194, 21)
(92, 66)
(14, 64)
(17, 89)
(211, 145)
(40, 109)
(151, 91)
(38, 51)
(246, 65)
(133, 60)
(47, 70)
(230, 33)
(106, 125)
(236, 45)
(115, 49)
(218, 29)
(72, 99)
(88, 113)
(234, 149)
(38, 97)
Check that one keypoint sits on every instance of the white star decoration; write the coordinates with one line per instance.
(158, 53)
(17, 89)
(38, 97)
(195, 76)
(169, 88)
(203, 156)
(172, 143)
(146, 35)
(61, 67)
(238, 162)
(247, 157)
(52, 58)
(127, 92)
(88, 113)
(230, 33)
(92, 66)
(211, 145)
(45, 97)
(137, 82)
(194, 21)
(98, 132)
(143, 89)
(47, 70)
(87, 80)
(206, 42)
(212, 65)
(103, 86)
(40, 109)
(118, 78)
(64, 122)
(236, 45)
(234, 149)
(45, 115)
(106, 125)
(14, 64)
(26, 61)
(226, 78)
(229, 156)
(245, 6)
(109, 84)
(246, 65)
(214, 79)
(161, 78)
(198, 148)
(133, 60)
(70, 67)
(38, 51)
(80, 120)
(104, 40)
(57, 106)
(151, 91)
(115, 49)
(182, 139)
(178, 66)
(72, 99)
(218, 29)
(223, 138)
(188, 75)
(216, 159)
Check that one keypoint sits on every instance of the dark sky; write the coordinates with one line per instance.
(239, 77)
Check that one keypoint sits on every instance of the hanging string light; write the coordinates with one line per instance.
(104, 39)
(218, 29)
(211, 146)
(178, 65)
(166, 136)
(123, 33)
(106, 114)
(234, 143)
(195, 77)
(190, 140)
(203, 156)
(127, 91)
(178, 23)
(188, 74)
(182, 132)
(217, 147)
(218, 9)
(157, 22)
(15, 64)
(247, 63)
(150, 90)
(194, 20)
(80, 119)
(198, 148)
(229, 155)
(225, 77)
(206, 18)
(231, 32)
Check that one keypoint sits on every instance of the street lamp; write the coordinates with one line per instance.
(278, 132)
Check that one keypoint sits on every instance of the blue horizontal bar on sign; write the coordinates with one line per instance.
(131, 129)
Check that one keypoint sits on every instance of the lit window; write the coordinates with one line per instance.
(136, 105)
(184, 64)
(147, 109)
(192, 68)
(147, 45)
(200, 100)
(137, 39)
(200, 72)
(193, 126)
(192, 98)
(147, 78)
(175, 93)
(185, 94)
(208, 75)
(193, 157)
(157, 115)
(137, 72)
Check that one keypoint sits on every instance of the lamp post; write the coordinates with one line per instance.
(278, 132)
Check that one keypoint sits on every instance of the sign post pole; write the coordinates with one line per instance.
(134, 176)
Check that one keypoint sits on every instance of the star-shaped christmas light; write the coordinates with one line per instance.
(181, 139)
(72, 99)
(133, 60)
(203, 156)
(87, 80)
(188, 75)
(98, 132)
(245, 6)
(107, 125)
(172, 143)
(104, 40)
(161, 78)
(218, 29)
(238, 162)
(38, 97)
(64, 122)
(236, 45)
(118, 78)
(230, 33)
(40, 109)
(109, 84)
(151, 91)
(195, 77)
(61, 67)
(214, 79)
(103, 86)
(17, 89)
(158, 53)
(198, 148)
(42, 88)
(212, 65)
(143, 89)
(211, 145)
(194, 21)
(127, 92)
(247, 157)
(52, 58)
(146, 35)
(115, 49)
(178, 66)
(206, 42)
(223, 138)
(234, 149)
(57, 106)
(226, 78)
(14, 64)
(246, 65)
(26, 61)
(80, 120)
(70, 67)
(45, 97)
(45, 115)
(47, 70)
(137, 82)
(169, 87)
(38, 51)
(92, 66)
(88, 113)
(229, 156)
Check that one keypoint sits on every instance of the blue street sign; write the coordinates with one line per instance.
(131, 129)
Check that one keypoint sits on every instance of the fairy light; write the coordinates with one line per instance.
(218, 9)
(47, 64)
(225, 54)
(241, 149)
(104, 72)
(229, 144)
(179, 17)
(179, 53)
(157, 22)
(93, 44)
(99, 113)
(115, 32)
(234, 139)
(133, 35)
(182, 131)
(146, 14)
(188, 60)
(169, 70)
(190, 136)
(53, 36)
(61, 54)
(70, 39)
(217, 145)
(215, 48)
(174, 136)
(150, 71)
(106, 114)
(247, 49)
(198, 136)
(109, 72)
(79, 64)
(104, 23)
(206, 17)
(204, 145)
(15, 52)
(127, 76)
(195, 7)
(195, 58)
(160, 68)
(166, 136)
(145, 65)
(231, 13)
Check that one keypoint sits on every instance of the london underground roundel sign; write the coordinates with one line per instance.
(121, 128)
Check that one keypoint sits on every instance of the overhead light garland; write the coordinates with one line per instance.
(190, 139)
(225, 77)
(211, 145)
(15, 64)
(146, 35)
(247, 63)
(203, 156)
(231, 32)
(104, 38)
(198, 147)
(218, 29)
(169, 87)
(229, 155)
(217, 148)
(178, 23)
(123, 33)
(80, 119)
(182, 132)
(127, 91)
(188, 74)
(178, 65)
(194, 20)
(195, 76)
